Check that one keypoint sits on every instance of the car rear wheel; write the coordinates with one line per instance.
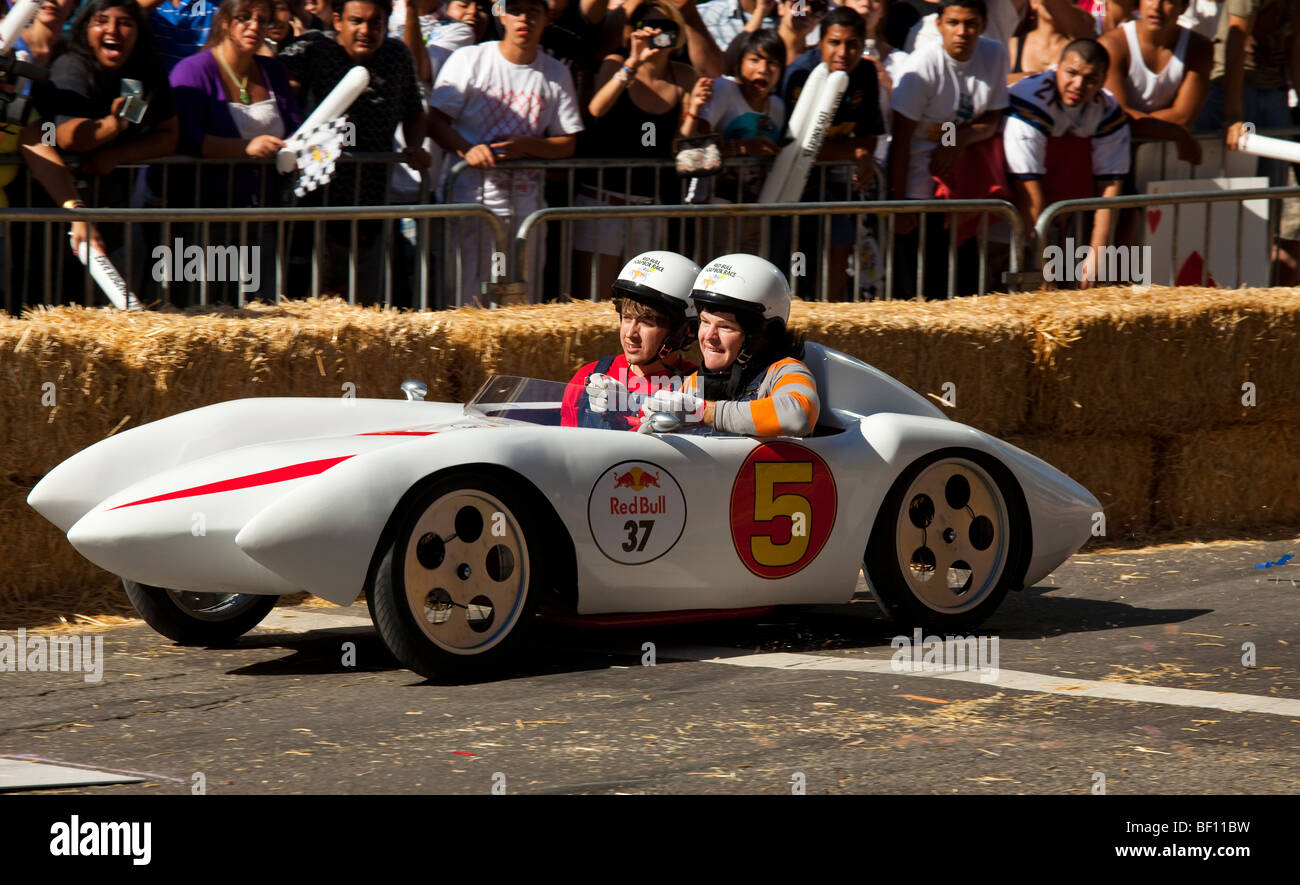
(456, 594)
(948, 542)
(198, 618)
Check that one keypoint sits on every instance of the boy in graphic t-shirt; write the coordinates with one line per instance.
(502, 101)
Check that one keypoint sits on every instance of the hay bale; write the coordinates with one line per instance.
(1245, 477)
(42, 572)
(540, 341)
(1166, 360)
(983, 346)
(61, 386)
(1119, 470)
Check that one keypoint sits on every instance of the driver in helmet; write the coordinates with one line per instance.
(752, 382)
(656, 320)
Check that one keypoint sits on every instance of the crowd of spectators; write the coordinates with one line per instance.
(952, 99)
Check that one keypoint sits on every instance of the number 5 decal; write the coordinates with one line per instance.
(783, 507)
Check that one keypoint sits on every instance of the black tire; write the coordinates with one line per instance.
(909, 599)
(474, 605)
(198, 618)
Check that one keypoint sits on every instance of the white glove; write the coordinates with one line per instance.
(599, 390)
(687, 407)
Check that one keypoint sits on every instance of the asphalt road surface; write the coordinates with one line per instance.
(1127, 666)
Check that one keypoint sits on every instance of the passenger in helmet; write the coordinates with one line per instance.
(656, 320)
(752, 382)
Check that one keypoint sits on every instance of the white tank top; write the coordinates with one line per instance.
(1148, 92)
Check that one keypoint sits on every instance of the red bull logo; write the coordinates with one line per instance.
(642, 504)
(636, 479)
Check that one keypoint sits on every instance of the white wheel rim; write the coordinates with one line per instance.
(952, 537)
(466, 588)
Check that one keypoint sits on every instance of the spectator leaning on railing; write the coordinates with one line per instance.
(949, 99)
(1066, 102)
(1160, 74)
(643, 100)
(110, 42)
(234, 103)
(498, 101)
(883, 54)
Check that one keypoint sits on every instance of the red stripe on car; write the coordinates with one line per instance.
(266, 477)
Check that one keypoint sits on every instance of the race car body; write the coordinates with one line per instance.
(460, 520)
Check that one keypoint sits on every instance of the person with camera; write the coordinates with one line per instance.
(110, 100)
(643, 100)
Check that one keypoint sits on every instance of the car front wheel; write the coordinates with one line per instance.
(456, 594)
(198, 618)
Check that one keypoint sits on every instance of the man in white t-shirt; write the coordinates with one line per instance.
(1001, 23)
(502, 101)
(1067, 101)
(949, 96)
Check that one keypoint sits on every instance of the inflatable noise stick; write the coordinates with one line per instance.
(106, 277)
(1272, 148)
(333, 106)
(18, 19)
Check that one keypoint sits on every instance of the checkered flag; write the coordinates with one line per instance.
(316, 152)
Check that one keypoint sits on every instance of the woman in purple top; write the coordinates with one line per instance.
(234, 103)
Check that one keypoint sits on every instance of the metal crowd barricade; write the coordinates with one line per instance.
(1206, 139)
(132, 268)
(574, 179)
(1079, 208)
(182, 182)
(535, 222)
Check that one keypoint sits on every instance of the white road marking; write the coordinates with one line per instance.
(26, 774)
(1017, 680)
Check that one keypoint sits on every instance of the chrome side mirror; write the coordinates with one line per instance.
(661, 422)
(415, 391)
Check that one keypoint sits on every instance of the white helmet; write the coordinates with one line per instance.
(752, 288)
(659, 279)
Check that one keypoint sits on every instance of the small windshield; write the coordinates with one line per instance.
(520, 399)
